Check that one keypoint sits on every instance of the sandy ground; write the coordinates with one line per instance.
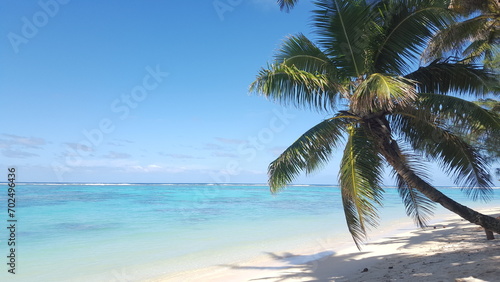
(451, 250)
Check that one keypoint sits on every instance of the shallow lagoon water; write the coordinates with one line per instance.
(123, 232)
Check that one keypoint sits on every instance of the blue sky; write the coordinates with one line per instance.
(145, 91)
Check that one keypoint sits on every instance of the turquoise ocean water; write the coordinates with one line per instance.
(131, 232)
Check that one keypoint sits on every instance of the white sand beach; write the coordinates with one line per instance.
(449, 250)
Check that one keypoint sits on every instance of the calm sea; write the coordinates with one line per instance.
(129, 232)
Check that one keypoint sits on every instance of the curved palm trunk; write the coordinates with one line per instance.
(390, 150)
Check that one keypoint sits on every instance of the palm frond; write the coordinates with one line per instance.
(404, 27)
(417, 206)
(456, 36)
(447, 76)
(380, 92)
(287, 5)
(467, 7)
(307, 153)
(290, 85)
(360, 178)
(341, 26)
(457, 158)
(482, 51)
(300, 52)
(453, 110)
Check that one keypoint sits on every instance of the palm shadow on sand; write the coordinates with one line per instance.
(463, 252)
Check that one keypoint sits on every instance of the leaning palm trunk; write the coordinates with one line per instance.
(364, 62)
(394, 156)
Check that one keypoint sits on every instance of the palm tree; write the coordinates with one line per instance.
(384, 108)
(474, 38)
(487, 141)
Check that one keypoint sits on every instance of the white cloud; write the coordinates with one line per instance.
(15, 146)
(78, 162)
(230, 141)
(153, 168)
(119, 142)
(212, 146)
(117, 155)
(79, 147)
(10, 141)
(224, 155)
(16, 154)
(178, 156)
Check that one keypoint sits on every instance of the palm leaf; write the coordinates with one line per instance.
(381, 92)
(482, 51)
(447, 76)
(290, 85)
(453, 110)
(456, 36)
(300, 52)
(307, 153)
(467, 7)
(457, 158)
(287, 5)
(404, 27)
(341, 28)
(416, 204)
(360, 178)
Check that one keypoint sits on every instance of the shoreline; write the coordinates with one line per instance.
(450, 248)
